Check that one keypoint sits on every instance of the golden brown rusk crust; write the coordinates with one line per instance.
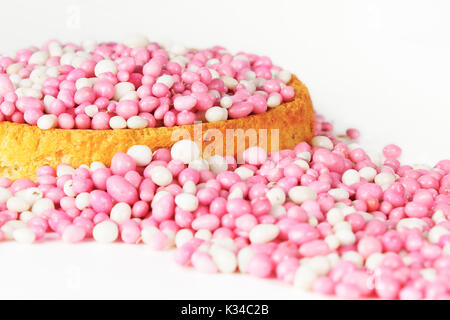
(25, 148)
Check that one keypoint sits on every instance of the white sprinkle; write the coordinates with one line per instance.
(52, 72)
(351, 176)
(339, 194)
(374, 260)
(262, 233)
(411, 223)
(48, 99)
(284, 76)
(224, 259)
(82, 201)
(273, 101)
(32, 92)
(199, 164)
(226, 102)
(236, 193)
(215, 114)
(241, 57)
(333, 258)
(334, 216)
(436, 233)
(141, 154)
(186, 201)
(312, 221)
(5, 194)
(117, 122)
(332, 241)
(211, 62)
(161, 176)
(244, 256)
(250, 85)
(299, 194)
(26, 216)
(203, 234)
(302, 164)
(346, 237)
(320, 265)
(304, 277)
(446, 249)
(105, 66)
(55, 49)
(137, 122)
(305, 155)
(121, 89)
(216, 93)
(170, 237)
(67, 58)
(342, 225)
(166, 79)
(277, 211)
(229, 82)
(24, 235)
(91, 110)
(42, 205)
(322, 141)
(429, 274)
(83, 83)
(148, 233)
(120, 212)
(214, 73)
(77, 61)
(105, 231)
(159, 195)
(178, 49)
(225, 243)
(97, 165)
(9, 227)
(68, 190)
(250, 75)
(183, 236)
(384, 179)
(30, 195)
(17, 204)
(47, 121)
(375, 157)
(244, 172)
(26, 83)
(354, 257)
(276, 196)
(437, 217)
(368, 173)
(131, 95)
(39, 57)
(64, 169)
(14, 68)
(185, 151)
(217, 164)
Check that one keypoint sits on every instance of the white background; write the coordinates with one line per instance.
(380, 66)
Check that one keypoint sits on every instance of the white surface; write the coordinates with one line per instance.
(380, 66)
(55, 270)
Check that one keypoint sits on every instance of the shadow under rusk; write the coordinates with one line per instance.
(25, 148)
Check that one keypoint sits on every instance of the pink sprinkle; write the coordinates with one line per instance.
(260, 265)
(392, 151)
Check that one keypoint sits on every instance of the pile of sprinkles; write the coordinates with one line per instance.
(327, 216)
(136, 84)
